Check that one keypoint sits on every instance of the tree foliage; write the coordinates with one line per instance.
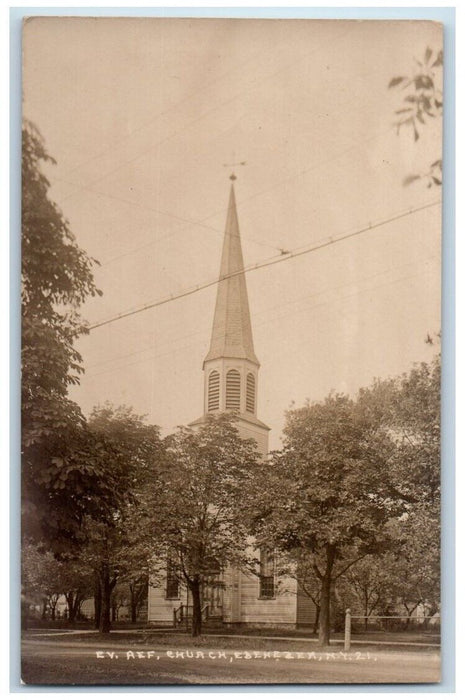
(322, 503)
(198, 500)
(366, 586)
(58, 464)
(357, 478)
(118, 543)
(407, 413)
(45, 578)
(422, 102)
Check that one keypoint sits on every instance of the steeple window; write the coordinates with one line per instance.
(233, 390)
(250, 393)
(213, 391)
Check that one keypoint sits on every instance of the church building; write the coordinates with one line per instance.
(231, 383)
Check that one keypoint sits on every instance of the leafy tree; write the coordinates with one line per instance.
(58, 467)
(119, 599)
(366, 587)
(45, 578)
(322, 502)
(356, 478)
(119, 543)
(75, 583)
(137, 585)
(131, 593)
(40, 573)
(422, 102)
(413, 570)
(198, 501)
(406, 413)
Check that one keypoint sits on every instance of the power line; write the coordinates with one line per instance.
(218, 211)
(88, 187)
(263, 312)
(150, 121)
(258, 325)
(186, 126)
(163, 213)
(175, 133)
(264, 263)
(201, 222)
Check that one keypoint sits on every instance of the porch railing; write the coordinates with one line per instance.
(184, 614)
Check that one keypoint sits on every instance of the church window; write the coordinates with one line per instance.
(213, 391)
(250, 393)
(233, 390)
(172, 580)
(267, 566)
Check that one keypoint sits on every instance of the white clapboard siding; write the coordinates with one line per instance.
(274, 611)
(159, 608)
(306, 610)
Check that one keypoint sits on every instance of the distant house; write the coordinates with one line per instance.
(231, 384)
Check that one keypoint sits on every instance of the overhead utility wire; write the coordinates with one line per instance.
(174, 134)
(161, 113)
(186, 126)
(274, 318)
(320, 164)
(264, 263)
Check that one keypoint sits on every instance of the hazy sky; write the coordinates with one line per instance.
(141, 115)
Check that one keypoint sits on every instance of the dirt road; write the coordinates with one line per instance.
(62, 661)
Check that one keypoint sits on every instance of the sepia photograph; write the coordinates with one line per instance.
(230, 351)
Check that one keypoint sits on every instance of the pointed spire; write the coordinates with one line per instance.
(232, 330)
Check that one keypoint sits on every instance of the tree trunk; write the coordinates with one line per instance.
(317, 619)
(137, 592)
(133, 610)
(323, 631)
(97, 603)
(44, 610)
(106, 588)
(71, 601)
(133, 601)
(196, 608)
(78, 607)
(78, 600)
(325, 598)
(105, 623)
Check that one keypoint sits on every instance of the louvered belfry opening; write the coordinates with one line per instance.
(250, 393)
(233, 390)
(214, 391)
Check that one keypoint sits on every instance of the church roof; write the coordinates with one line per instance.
(243, 417)
(232, 330)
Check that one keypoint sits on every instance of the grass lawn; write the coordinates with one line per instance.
(226, 640)
(415, 636)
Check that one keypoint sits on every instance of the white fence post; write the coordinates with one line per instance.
(347, 631)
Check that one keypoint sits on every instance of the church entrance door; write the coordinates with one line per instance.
(212, 594)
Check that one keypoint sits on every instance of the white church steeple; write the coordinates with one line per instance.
(232, 330)
(231, 366)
